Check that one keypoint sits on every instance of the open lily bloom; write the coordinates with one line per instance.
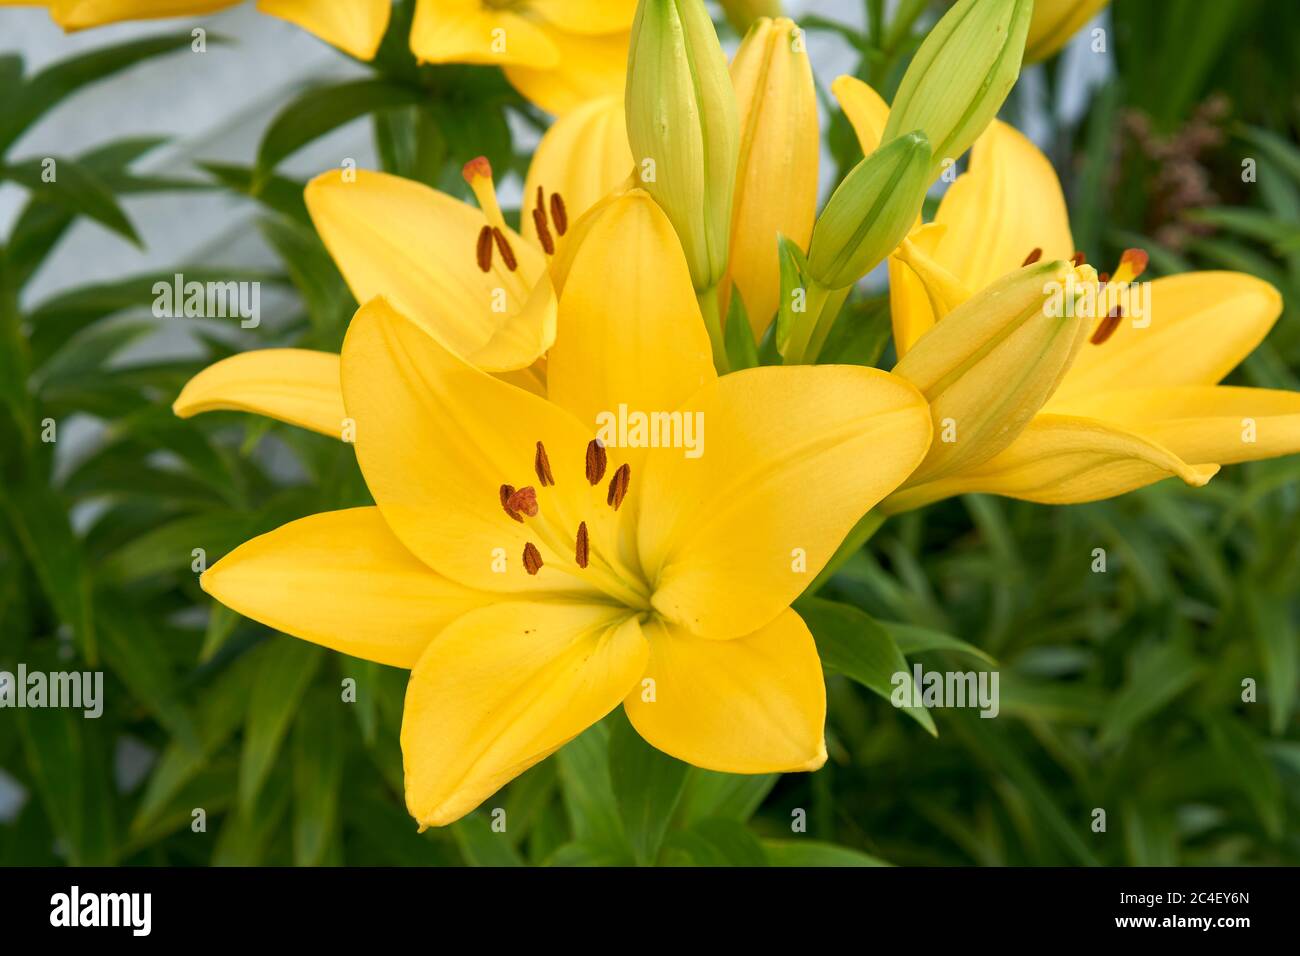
(459, 272)
(1140, 400)
(534, 574)
(557, 53)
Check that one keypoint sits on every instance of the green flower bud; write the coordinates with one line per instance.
(871, 212)
(961, 75)
(683, 129)
(742, 13)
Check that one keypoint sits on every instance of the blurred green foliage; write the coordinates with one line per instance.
(1120, 691)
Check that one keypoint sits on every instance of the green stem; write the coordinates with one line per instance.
(709, 305)
(867, 526)
(830, 312)
(796, 352)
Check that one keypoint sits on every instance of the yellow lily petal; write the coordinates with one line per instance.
(756, 704)
(82, 14)
(437, 439)
(777, 106)
(1007, 204)
(504, 687)
(792, 457)
(1054, 22)
(910, 306)
(356, 27)
(416, 247)
(586, 16)
(586, 67)
(867, 113)
(297, 386)
(342, 580)
(465, 31)
(1202, 423)
(992, 363)
(630, 330)
(583, 157)
(1062, 459)
(1202, 324)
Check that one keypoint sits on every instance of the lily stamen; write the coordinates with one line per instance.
(507, 491)
(596, 461)
(503, 247)
(542, 465)
(1108, 326)
(483, 251)
(532, 558)
(559, 214)
(523, 501)
(1078, 259)
(1033, 257)
(618, 486)
(582, 546)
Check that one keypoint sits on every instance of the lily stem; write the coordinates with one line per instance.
(708, 299)
(867, 526)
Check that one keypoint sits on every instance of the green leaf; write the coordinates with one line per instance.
(732, 796)
(76, 189)
(586, 854)
(852, 642)
(917, 640)
(647, 785)
(1273, 627)
(286, 671)
(481, 845)
(813, 853)
(317, 776)
(39, 93)
(318, 111)
(742, 350)
(719, 843)
(1158, 678)
(589, 793)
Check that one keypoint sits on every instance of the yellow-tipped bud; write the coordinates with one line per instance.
(961, 75)
(1054, 22)
(682, 127)
(993, 361)
(870, 212)
(742, 13)
(778, 149)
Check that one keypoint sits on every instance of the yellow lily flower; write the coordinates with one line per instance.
(1140, 400)
(1054, 22)
(779, 141)
(421, 249)
(557, 53)
(534, 578)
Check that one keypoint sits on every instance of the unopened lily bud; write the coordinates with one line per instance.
(742, 13)
(1054, 22)
(871, 212)
(994, 360)
(779, 145)
(961, 75)
(682, 127)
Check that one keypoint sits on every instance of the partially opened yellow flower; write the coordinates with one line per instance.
(558, 53)
(460, 272)
(1054, 22)
(534, 578)
(1140, 400)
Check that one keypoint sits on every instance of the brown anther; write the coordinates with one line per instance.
(543, 232)
(1032, 257)
(503, 247)
(542, 465)
(582, 549)
(506, 492)
(1103, 278)
(1107, 327)
(559, 214)
(596, 460)
(532, 558)
(524, 501)
(484, 249)
(1078, 259)
(618, 486)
